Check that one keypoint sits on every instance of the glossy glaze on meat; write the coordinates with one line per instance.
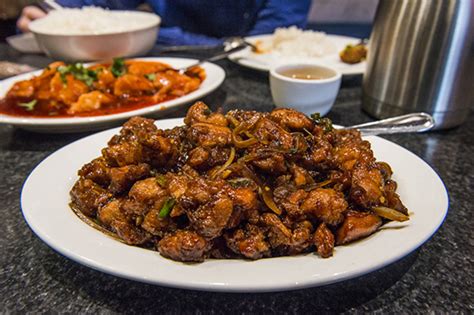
(240, 185)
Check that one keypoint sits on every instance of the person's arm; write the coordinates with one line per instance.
(280, 13)
(166, 36)
(176, 36)
(273, 14)
(111, 4)
(30, 13)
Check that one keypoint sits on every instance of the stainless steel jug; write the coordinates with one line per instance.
(421, 58)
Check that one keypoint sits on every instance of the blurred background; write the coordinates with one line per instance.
(343, 17)
(9, 12)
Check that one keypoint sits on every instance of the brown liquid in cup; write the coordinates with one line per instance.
(307, 73)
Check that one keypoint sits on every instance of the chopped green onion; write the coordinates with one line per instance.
(167, 207)
(79, 72)
(150, 76)
(118, 67)
(161, 180)
(63, 70)
(29, 106)
(326, 123)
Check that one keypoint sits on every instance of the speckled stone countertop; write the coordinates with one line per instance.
(438, 277)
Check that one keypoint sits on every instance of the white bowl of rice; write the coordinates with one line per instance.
(93, 33)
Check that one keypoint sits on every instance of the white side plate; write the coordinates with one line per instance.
(45, 199)
(214, 77)
(25, 43)
(264, 62)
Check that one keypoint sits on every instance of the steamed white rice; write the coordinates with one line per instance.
(293, 41)
(92, 21)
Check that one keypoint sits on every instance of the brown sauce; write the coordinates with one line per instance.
(307, 73)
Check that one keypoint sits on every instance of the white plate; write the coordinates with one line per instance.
(25, 43)
(45, 199)
(264, 62)
(214, 77)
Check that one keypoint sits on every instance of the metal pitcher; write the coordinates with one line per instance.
(421, 59)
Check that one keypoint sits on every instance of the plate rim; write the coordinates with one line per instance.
(220, 76)
(226, 287)
(235, 57)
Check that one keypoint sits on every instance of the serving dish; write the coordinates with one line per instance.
(265, 61)
(214, 77)
(45, 198)
(88, 47)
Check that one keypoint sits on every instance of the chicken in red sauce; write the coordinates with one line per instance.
(238, 185)
(67, 90)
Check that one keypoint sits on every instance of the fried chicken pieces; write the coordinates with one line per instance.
(244, 184)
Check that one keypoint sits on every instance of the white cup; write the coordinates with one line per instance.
(312, 95)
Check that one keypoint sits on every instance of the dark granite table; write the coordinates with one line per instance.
(436, 278)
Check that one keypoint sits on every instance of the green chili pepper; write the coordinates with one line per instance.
(167, 207)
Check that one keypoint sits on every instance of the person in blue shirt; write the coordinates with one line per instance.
(202, 22)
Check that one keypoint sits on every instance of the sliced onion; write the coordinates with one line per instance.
(238, 142)
(226, 164)
(324, 183)
(247, 158)
(248, 134)
(241, 144)
(308, 133)
(391, 214)
(267, 197)
(318, 185)
(264, 191)
(234, 121)
(226, 173)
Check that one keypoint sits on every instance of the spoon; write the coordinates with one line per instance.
(219, 56)
(232, 42)
(229, 43)
(416, 122)
(49, 5)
